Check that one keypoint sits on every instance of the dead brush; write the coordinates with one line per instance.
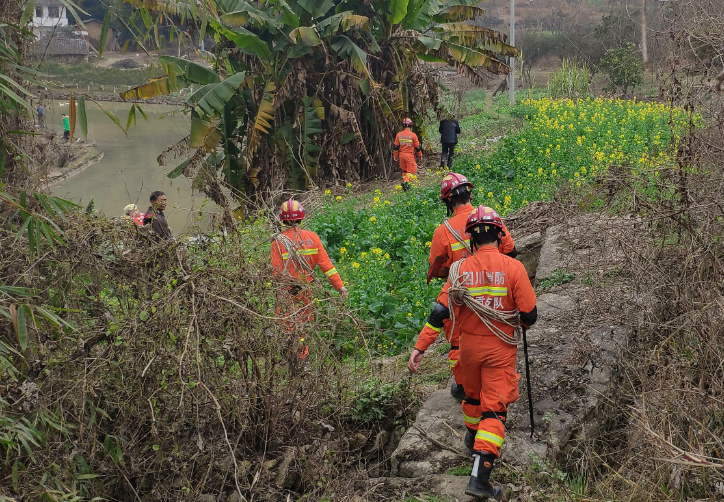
(661, 432)
(179, 376)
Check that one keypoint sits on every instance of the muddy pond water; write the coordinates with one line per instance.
(128, 171)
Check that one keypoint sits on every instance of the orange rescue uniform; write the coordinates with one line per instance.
(487, 362)
(445, 250)
(309, 248)
(406, 145)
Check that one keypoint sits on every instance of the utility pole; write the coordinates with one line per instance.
(511, 75)
(644, 33)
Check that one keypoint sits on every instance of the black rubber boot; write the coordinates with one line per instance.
(469, 441)
(405, 186)
(457, 391)
(479, 484)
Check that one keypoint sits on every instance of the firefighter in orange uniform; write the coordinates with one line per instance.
(406, 147)
(450, 243)
(491, 297)
(296, 252)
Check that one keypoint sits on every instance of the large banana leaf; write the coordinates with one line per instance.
(317, 8)
(246, 41)
(211, 99)
(420, 13)
(157, 87)
(475, 37)
(396, 10)
(306, 35)
(264, 117)
(287, 16)
(452, 53)
(192, 72)
(243, 14)
(345, 20)
(346, 48)
(182, 8)
(458, 13)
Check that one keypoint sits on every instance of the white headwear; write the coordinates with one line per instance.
(129, 209)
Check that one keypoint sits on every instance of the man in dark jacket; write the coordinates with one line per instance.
(449, 130)
(156, 218)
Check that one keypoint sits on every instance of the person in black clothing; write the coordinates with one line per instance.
(449, 130)
(156, 218)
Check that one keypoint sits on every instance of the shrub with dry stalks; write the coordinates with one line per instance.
(168, 373)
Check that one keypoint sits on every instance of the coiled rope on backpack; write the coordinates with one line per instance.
(291, 249)
(459, 295)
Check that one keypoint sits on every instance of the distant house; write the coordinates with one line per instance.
(49, 16)
(63, 50)
(93, 29)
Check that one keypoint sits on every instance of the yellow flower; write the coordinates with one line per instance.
(343, 250)
(398, 187)
(373, 219)
(409, 314)
(377, 251)
(387, 255)
(355, 264)
(490, 194)
(553, 171)
(338, 198)
(507, 199)
(348, 185)
(376, 199)
(412, 239)
(387, 203)
(363, 255)
(428, 244)
(477, 166)
(327, 192)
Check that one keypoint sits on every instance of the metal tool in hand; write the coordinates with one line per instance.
(527, 377)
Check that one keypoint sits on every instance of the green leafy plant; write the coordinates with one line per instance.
(624, 68)
(373, 400)
(558, 278)
(572, 80)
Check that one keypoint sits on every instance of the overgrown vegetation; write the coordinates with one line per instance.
(301, 91)
(133, 368)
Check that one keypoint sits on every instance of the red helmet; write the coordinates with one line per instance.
(292, 210)
(451, 182)
(483, 215)
(407, 122)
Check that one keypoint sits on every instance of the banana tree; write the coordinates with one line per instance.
(298, 91)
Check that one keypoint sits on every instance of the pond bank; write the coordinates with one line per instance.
(83, 156)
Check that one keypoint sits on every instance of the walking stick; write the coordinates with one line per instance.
(527, 377)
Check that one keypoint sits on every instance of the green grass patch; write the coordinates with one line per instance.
(461, 470)
(558, 278)
(85, 74)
